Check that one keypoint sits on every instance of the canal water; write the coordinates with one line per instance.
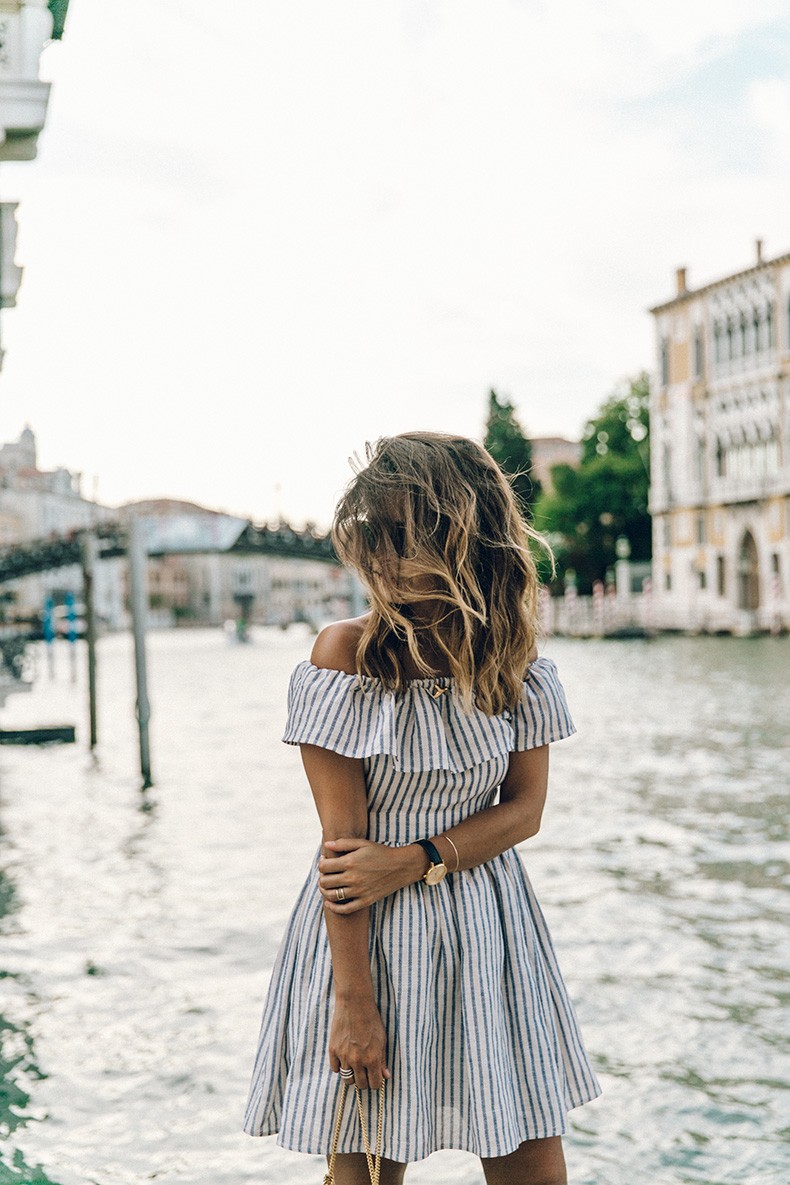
(138, 929)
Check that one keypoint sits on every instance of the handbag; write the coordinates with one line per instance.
(374, 1162)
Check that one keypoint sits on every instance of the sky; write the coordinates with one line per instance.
(258, 235)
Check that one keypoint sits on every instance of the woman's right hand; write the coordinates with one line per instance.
(358, 1039)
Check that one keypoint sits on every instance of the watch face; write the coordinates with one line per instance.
(435, 873)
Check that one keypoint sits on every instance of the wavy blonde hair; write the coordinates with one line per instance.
(431, 522)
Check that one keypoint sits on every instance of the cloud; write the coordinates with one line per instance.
(305, 225)
(768, 105)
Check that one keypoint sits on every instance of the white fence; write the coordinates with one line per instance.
(605, 614)
(600, 615)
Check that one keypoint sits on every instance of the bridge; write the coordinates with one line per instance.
(60, 551)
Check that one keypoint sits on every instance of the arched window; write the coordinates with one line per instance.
(664, 353)
(730, 339)
(721, 585)
(769, 323)
(742, 333)
(756, 328)
(717, 338)
(720, 458)
(748, 573)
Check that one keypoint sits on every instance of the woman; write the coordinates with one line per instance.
(424, 728)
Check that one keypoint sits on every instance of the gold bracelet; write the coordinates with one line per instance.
(455, 849)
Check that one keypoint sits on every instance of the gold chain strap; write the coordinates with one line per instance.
(374, 1164)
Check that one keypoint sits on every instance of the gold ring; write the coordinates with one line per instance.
(340, 894)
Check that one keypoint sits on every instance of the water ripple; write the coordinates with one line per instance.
(139, 929)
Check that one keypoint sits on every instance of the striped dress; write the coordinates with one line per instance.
(483, 1042)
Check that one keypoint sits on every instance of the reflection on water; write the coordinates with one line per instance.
(138, 929)
(19, 1071)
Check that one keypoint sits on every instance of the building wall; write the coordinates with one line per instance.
(553, 450)
(720, 453)
(37, 504)
(27, 26)
(270, 589)
(207, 587)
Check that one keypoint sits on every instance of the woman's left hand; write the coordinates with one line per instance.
(365, 871)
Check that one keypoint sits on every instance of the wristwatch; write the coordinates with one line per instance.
(438, 869)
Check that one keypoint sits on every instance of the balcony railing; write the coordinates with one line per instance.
(24, 31)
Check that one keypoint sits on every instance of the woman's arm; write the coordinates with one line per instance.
(357, 1038)
(516, 817)
(369, 871)
(338, 788)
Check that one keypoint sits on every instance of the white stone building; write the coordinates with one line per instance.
(720, 452)
(38, 504)
(196, 577)
(25, 28)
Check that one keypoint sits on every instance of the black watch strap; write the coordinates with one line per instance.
(434, 855)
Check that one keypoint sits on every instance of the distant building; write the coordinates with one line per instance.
(16, 455)
(38, 503)
(553, 450)
(26, 27)
(198, 580)
(10, 272)
(204, 582)
(720, 451)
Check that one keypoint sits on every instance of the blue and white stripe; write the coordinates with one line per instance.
(484, 1045)
(353, 715)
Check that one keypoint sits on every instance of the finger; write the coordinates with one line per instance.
(330, 894)
(361, 1078)
(336, 864)
(328, 884)
(333, 880)
(344, 906)
(345, 845)
(334, 1063)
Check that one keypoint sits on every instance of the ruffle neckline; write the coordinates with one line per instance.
(418, 729)
(442, 680)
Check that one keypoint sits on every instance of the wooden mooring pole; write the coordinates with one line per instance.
(90, 549)
(139, 605)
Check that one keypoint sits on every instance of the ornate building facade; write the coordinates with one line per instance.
(720, 452)
(26, 27)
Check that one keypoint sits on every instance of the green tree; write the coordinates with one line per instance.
(512, 450)
(622, 424)
(606, 496)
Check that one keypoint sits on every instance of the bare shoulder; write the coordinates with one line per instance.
(335, 648)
